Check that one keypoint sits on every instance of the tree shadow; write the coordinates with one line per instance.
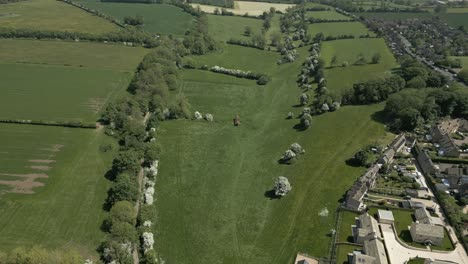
(342, 198)
(299, 127)
(380, 116)
(111, 174)
(106, 226)
(297, 106)
(352, 162)
(271, 195)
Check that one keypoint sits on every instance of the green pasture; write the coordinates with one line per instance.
(158, 18)
(84, 54)
(52, 15)
(458, 10)
(213, 201)
(326, 15)
(339, 28)
(223, 28)
(395, 15)
(57, 93)
(243, 58)
(455, 19)
(67, 211)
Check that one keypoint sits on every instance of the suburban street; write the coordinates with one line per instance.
(398, 254)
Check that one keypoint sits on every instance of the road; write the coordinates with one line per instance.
(398, 254)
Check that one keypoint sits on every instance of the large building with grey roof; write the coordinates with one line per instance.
(427, 234)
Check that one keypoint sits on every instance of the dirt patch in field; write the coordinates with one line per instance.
(42, 161)
(54, 148)
(40, 167)
(25, 185)
(243, 7)
(95, 104)
(8, 15)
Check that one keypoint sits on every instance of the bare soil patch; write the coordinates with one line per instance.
(243, 7)
(26, 185)
(40, 167)
(42, 161)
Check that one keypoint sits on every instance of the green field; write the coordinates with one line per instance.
(239, 166)
(223, 28)
(464, 61)
(455, 19)
(67, 211)
(326, 15)
(57, 93)
(340, 79)
(157, 18)
(394, 15)
(89, 55)
(52, 15)
(345, 232)
(339, 28)
(243, 58)
(457, 10)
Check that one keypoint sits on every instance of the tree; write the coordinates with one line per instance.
(463, 75)
(134, 21)
(275, 38)
(127, 161)
(376, 58)
(122, 211)
(304, 99)
(410, 119)
(416, 82)
(282, 186)
(125, 188)
(334, 60)
(361, 158)
(361, 60)
(267, 23)
(259, 40)
(248, 31)
(123, 232)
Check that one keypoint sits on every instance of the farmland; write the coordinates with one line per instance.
(223, 28)
(67, 210)
(246, 7)
(326, 15)
(394, 15)
(339, 28)
(36, 15)
(158, 18)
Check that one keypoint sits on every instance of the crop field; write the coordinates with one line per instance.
(339, 28)
(457, 10)
(37, 15)
(243, 58)
(223, 28)
(246, 7)
(225, 172)
(157, 18)
(455, 19)
(65, 208)
(88, 55)
(326, 15)
(57, 93)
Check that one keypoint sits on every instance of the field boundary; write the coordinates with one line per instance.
(50, 123)
(95, 12)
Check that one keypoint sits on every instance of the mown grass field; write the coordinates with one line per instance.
(67, 211)
(52, 15)
(339, 28)
(464, 61)
(158, 18)
(223, 28)
(394, 15)
(57, 93)
(455, 19)
(326, 15)
(212, 203)
(243, 58)
(340, 79)
(61, 53)
(457, 10)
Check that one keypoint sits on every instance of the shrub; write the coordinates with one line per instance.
(282, 186)
(263, 80)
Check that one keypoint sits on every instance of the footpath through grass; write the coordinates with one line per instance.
(52, 15)
(67, 211)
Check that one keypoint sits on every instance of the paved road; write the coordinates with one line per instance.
(398, 254)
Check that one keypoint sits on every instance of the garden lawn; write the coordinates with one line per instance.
(67, 211)
(214, 179)
(345, 232)
(58, 93)
(339, 28)
(54, 16)
(464, 61)
(243, 58)
(326, 15)
(85, 54)
(223, 28)
(342, 253)
(157, 18)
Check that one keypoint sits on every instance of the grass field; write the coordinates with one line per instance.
(342, 253)
(224, 172)
(455, 19)
(340, 79)
(157, 18)
(394, 15)
(223, 28)
(457, 10)
(57, 93)
(464, 61)
(244, 58)
(339, 28)
(67, 211)
(89, 55)
(52, 15)
(326, 15)
(345, 232)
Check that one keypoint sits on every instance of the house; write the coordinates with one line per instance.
(412, 192)
(366, 227)
(398, 143)
(355, 195)
(425, 163)
(412, 205)
(448, 147)
(422, 216)
(358, 257)
(427, 234)
(385, 217)
(387, 157)
(431, 261)
(375, 248)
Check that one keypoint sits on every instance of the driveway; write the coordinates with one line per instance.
(398, 254)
